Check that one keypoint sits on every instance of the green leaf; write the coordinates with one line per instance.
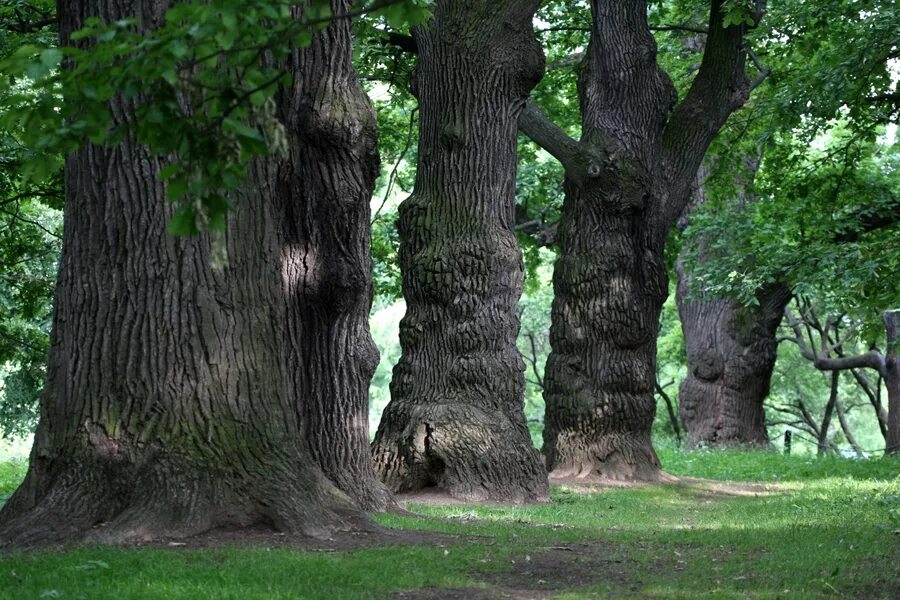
(176, 187)
(183, 222)
(51, 57)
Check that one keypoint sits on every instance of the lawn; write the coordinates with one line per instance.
(788, 527)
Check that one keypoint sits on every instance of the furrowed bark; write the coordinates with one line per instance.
(624, 189)
(165, 412)
(324, 188)
(456, 420)
(731, 352)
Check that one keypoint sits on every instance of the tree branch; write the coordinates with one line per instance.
(569, 61)
(547, 134)
(720, 87)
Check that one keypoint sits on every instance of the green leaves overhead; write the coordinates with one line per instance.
(201, 89)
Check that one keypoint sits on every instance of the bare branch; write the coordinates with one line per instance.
(569, 61)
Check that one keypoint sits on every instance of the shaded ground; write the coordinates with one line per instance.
(798, 528)
(548, 572)
(341, 541)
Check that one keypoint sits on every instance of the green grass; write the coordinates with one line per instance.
(11, 474)
(826, 528)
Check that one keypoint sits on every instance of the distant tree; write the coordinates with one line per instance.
(731, 348)
(831, 356)
(817, 208)
(30, 239)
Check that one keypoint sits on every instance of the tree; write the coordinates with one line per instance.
(731, 348)
(455, 420)
(627, 180)
(886, 364)
(166, 410)
(324, 188)
(807, 229)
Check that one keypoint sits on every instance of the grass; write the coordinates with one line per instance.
(830, 528)
(11, 474)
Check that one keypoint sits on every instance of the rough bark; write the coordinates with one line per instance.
(165, 412)
(731, 352)
(456, 420)
(627, 180)
(324, 187)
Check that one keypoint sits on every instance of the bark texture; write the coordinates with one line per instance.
(731, 352)
(627, 180)
(456, 419)
(165, 412)
(324, 188)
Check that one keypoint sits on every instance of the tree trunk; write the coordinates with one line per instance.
(610, 284)
(731, 352)
(165, 412)
(822, 443)
(325, 186)
(892, 379)
(731, 348)
(456, 418)
(627, 180)
(845, 427)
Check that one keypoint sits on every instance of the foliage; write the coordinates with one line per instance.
(809, 228)
(30, 232)
(829, 167)
(201, 86)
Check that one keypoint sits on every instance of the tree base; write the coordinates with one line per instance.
(612, 458)
(468, 453)
(110, 501)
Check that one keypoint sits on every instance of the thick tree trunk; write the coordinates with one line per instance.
(325, 186)
(610, 284)
(456, 419)
(731, 352)
(165, 411)
(627, 180)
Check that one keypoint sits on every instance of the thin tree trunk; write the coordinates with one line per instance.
(845, 427)
(324, 188)
(822, 443)
(892, 379)
(673, 418)
(456, 418)
(165, 412)
(873, 393)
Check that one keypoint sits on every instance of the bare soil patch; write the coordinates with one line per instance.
(340, 541)
(545, 574)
